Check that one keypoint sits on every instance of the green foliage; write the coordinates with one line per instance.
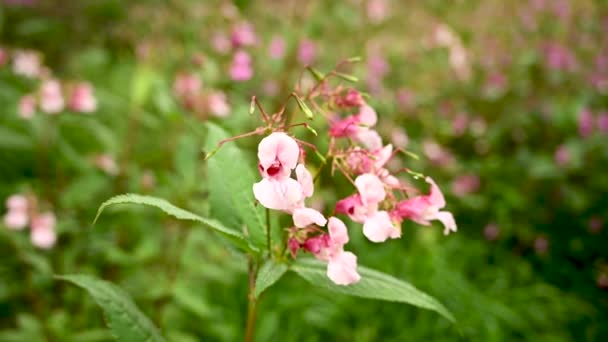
(123, 317)
(373, 285)
(270, 272)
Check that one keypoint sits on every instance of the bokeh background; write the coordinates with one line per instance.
(504, 101)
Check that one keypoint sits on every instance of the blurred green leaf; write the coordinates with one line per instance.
(181, 214)
(373, 285)
(123, 317)
(303, 107)
(14, 140)
(230, 179)
(269, 274)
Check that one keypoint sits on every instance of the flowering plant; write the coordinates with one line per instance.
(243, 204)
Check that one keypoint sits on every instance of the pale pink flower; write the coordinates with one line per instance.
(17, 202)
(107, 164)
(602, 122)
(82, 98)
(241, 68)
(354, 208)
(27, 106)
(357, 127)
(17, 212)
(361, 161)
(51, 98)
(276, 50)
(399, 137)
(278, 154)
(379, 227)
(377, 10)
(465, 184)
(307, 52)
(27, 63)
(558, 57)
(425, 208)
(305, 179)
(406, 99)
(303, 217)
(341, 265)
(370, 188)
(218, 104)
(43, 230)
(491, 232)
(562, 156)
(352, 98)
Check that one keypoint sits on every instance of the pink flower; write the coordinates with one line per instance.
(82, 99)
(51, 98)
(562, 156)
(186, 85)
(27, 63)
(379, 227)
(377, 10)
(341, 265)
(361, 161)
(243, 34)
(218, 104)
(602, 122)
(357, 127)
(354, 208)
(241, 69)
(491, 232)
(43, 231)
(585, 123)
(352, 98)
(283, 194)
(465, 184)
(303, 217)
(307, 52)
(278, 154)
(276, 49)
(17, 214)
(221, 43)
(371, 189)
(425, 208)
(27, 106)
(305, 179)
(107, 164)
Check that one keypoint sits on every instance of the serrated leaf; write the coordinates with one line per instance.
(373, 285)
(123, 317)
(231, 178)
(236, 237)
(269, 274)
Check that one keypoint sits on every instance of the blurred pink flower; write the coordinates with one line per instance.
(27, 106)
(43, 230)
(377, 10)
(27, 63)
(562, 156)
(379, 227)
(242, 35)
(559, 57)
(406, 99)
(357, 127)
(241, 68)
(82, 98)
(16, 216)
(186, 85)
(465, 184)
(218, 104)
(276, 50)
(400, 138)
(491, 232)
(307, 52)
(436, 153)
(585, 123)
(107, 164)
(541, 245)
(377, 68)
(221, 43)
(51, 98)
(460, 124)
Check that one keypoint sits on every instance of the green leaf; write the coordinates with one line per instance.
(231, 177)
(181, 214)
(373, 285)
(269, 274)
(319, 76)
(10, 139)
(123, 317)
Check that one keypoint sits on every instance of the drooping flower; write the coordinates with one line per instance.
(370, 188)
(425, 208)
(243, 34)
(43, 230)
(27, 63)
(17, 212)
(51, 97)
(278, 154)
(82, 98)
(357, 127)
(283, 194)
(217, 103)
(379, 227)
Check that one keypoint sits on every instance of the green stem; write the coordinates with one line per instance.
(252, 303)
(268, 239)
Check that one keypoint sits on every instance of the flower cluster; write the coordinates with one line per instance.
(51, 97)
(21, 211)
(188, 89)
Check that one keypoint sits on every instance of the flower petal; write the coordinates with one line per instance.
(305, 179)
(283, 194)
(448, 222)
(342, 269)
(379, 227)
(370, 188)
(337, 231)
(279, 146)
(303, 217)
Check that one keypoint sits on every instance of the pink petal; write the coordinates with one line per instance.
(281, 194)
(370, 188)
(369, 138)
(280, 147)
(303, 217)
(383, 155)
(379, 227)
(448, 222)
(342, 269)
(43, 231)
(15, 219)
(305, 179)
(337, 231)
(435, 197)
(367, 116)
(16, 203)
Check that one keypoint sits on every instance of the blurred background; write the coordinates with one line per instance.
(505, 102)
